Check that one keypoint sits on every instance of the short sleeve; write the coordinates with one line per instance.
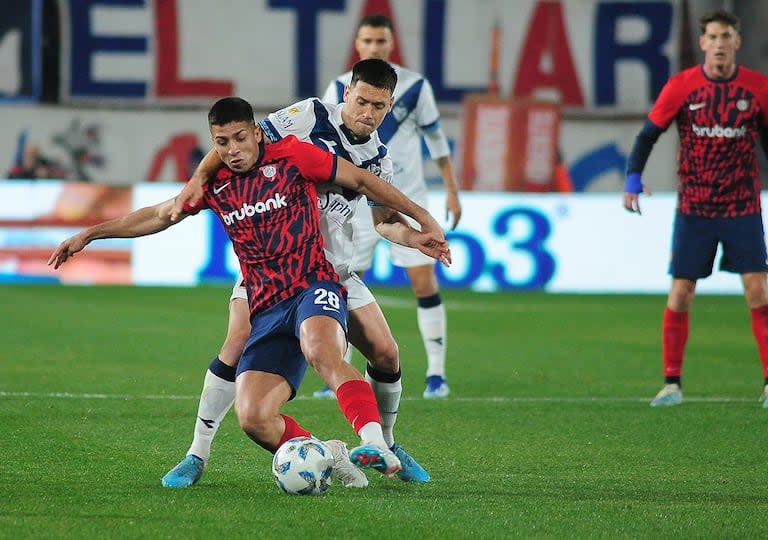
(315, 164)
(668, 104)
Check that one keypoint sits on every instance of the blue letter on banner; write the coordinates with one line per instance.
(608, 52)
(84, 45)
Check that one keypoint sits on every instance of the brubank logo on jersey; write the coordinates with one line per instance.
(719, 131)
(249, 210)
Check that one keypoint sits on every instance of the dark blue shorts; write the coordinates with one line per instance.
(695, 241)
(273, 346)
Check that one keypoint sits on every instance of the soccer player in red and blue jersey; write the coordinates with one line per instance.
(721, 110)
(266, 199)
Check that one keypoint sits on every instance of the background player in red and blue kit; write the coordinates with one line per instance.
(267, 201)
(721, 109)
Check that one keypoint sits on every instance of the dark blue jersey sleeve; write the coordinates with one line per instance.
(642, 148)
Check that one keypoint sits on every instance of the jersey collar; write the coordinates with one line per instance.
(351, 137)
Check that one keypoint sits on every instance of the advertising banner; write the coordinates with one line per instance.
(558, 243)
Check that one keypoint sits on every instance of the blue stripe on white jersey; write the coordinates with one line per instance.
(324, 133)
(403, 107)
(431, 127)
(269, 130)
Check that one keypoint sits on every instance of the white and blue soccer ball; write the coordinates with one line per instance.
(303, 466)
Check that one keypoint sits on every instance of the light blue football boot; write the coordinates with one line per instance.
(371, 456)
(185, 474)
(764, 397)
(668, 396)
(411, 471)
(324, 393)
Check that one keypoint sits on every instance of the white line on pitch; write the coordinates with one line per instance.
(487, 399)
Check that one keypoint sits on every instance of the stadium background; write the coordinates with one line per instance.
(547, 432)
(114, 94)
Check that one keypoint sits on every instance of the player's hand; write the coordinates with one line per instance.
(452, 209)
(634, 187)
(66, 249)
(433, 245)
(429, 224)
(190, 195)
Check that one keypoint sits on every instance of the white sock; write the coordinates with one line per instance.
(432, 326)
(388, 398)
(371, 433)
(216, 399)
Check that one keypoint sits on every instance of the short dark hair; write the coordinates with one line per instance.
(230, 109)
(721, 16)
(376, 20)
(375, 72)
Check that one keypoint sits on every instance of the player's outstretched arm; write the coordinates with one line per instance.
(392, 226)
(142, 222)
(193, 190)
(385, 194)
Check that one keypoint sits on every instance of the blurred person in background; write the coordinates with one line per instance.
(721, 109)
(33, 165)
(414, 116)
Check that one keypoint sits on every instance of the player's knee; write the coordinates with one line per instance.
(256, 421)
(233, 346)
(320, 351)
(681, 295)
(423, 281)
(385, 356)
(756, 291)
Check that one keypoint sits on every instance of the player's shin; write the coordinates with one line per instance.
(357, 402)
(432, 324)
(674, 339)
(292, 429)
(388, 389)
(760, 331)
(216, 399)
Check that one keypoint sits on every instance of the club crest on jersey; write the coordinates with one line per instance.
(742, 104)
(374, 169)
(268, 171)
(399, 111)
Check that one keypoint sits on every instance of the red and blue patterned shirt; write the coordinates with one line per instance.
(271, 215)
(718, 122)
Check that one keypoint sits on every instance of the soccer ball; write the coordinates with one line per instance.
(303, 466)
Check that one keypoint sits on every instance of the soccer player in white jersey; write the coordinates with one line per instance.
(348, 129)
(414, 116)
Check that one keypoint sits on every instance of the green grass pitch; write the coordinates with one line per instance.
(547, 432)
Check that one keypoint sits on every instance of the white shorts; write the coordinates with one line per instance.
(366, 238)
(358, 294)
